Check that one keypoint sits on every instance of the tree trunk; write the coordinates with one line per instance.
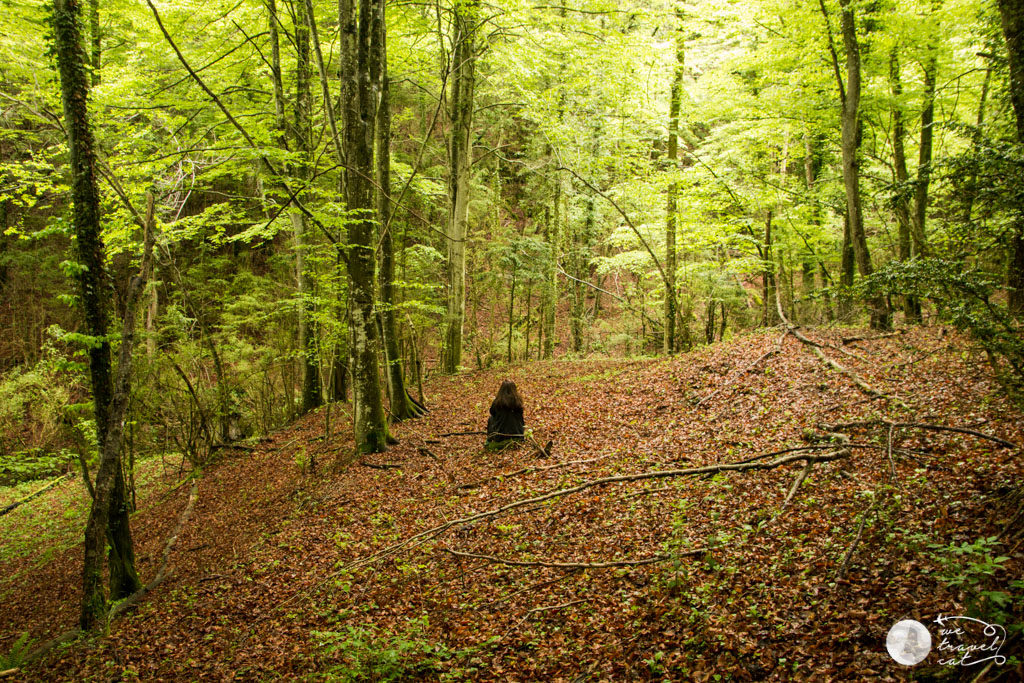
(851, 161)
(371, 432)
(924, 164)
(552, 237)
(312, 396)
(770, 316)
(109, 512)
(577, 307)
(901, 204)
(669, 339)
(460, 148)
(95, 40)
(1012, 14)
(846, 272)
(402, 406)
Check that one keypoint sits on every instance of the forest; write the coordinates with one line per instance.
(517, 340)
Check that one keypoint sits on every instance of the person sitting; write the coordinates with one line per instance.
(506, 420)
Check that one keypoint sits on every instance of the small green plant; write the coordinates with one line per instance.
(17, 656)
(973, 567)
(368, 655)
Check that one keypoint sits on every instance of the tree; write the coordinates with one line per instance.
(463, 79)
(361, 47)
(109, 511)
(669, 344)
(1011, 13)
(901, 201)
(403, 406)
(851, 137)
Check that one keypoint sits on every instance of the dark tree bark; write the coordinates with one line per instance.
(109, 512)
(1012, 14)
(360, 109)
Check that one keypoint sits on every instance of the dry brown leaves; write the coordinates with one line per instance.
(257, 570)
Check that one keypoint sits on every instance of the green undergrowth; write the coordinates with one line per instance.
(370, 653)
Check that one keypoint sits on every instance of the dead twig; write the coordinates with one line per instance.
(876, 499)
(380, 466)
(796, 485)
(528, 470)
(887, 335)
(576, 565)
(920, 425)
(842, 369)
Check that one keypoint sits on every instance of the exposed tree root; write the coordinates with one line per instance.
(162, 573)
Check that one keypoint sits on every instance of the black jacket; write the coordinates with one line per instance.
(505, 424)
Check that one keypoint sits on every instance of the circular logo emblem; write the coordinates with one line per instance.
(908, 642)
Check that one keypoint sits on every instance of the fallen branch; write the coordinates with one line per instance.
(796, 485)
(380, 466)
(424, 536)
(162, 573)
(762, 357)
(877, 498)
(576, 565)
(34, 494)
(850, 340)
(816, 350)
(529, 470)
(919, 425)
(549, 608)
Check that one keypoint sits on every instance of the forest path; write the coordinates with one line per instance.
(260, 586)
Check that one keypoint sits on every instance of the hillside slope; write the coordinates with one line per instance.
(277, 573)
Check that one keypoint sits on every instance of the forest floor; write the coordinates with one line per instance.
(279, 571)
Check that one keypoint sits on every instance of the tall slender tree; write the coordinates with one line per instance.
(851, 134)
(463, 79)
(901, 198)
(1011, 13)
(360, 47)
(675, 98)
(109, 512)
(403, 406)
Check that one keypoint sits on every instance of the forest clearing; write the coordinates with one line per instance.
(283, 571)
(512, 340)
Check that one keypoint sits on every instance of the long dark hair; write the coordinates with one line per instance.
(507, 398)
